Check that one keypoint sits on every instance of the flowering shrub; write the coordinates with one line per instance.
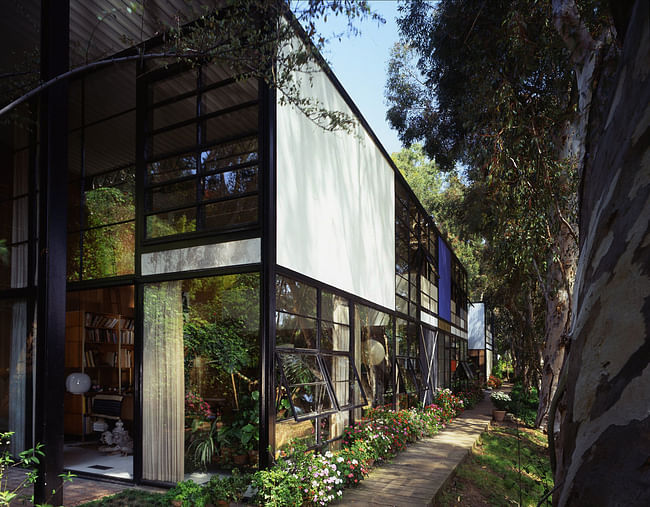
(379, 436)
(195, 405)
(500, 400)
(450, 404)
(494, 382)
(472, 396)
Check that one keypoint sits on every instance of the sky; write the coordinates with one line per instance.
(360, 63)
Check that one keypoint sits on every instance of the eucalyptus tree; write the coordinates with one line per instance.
(493, 90)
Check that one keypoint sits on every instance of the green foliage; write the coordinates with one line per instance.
(221, 342)
(491, 88)
(230, 489)
(4, 252)
(28, 460)
(524, 403)
(493, 470)
(189, 493)
(277, 487)
(244, 429)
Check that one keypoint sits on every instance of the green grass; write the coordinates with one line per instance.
(130, 498)
(491, 474)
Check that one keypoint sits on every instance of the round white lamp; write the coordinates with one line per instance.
(77, 383)
(374, 352)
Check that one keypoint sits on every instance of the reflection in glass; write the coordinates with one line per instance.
(171, 222)
(207, 328)
(373, 354)
(306, 384)
(334, 336)
(293, 331)
(108, 251)
(242, 211)
(295, 297)
(172, 168)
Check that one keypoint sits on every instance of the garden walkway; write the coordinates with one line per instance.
(416, 475)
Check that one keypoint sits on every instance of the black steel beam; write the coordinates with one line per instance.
(267, 286)
(53, 165)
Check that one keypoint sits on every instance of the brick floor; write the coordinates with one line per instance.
(78, 491)
(416, 475)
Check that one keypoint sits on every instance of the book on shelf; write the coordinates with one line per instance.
(99, 320)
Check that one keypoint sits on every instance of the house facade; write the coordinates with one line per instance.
(481, 338)
(197, 274)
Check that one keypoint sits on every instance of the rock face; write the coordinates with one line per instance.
(605, 434)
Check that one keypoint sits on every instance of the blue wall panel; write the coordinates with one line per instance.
(444, 282)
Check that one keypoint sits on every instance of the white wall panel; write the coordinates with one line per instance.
(335, 202)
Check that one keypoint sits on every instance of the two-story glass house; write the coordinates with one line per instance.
(195, 264)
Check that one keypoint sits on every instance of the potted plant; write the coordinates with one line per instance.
(500, 400)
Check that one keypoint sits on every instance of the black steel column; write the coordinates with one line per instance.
(267, 286)
(53, 165)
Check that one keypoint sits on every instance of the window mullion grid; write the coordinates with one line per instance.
(201, 127)
(82, 183)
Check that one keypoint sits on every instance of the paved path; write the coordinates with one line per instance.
(416, 475)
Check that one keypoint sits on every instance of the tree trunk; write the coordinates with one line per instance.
(559, 283)
(605, 434)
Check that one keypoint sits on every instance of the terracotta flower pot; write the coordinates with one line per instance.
(498, 415)
(240, 459)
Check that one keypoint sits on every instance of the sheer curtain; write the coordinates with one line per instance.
(163, 388)
(18, 350)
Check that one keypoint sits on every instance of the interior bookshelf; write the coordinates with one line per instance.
(102, 346)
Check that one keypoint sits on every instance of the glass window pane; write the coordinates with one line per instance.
(288, 432)
(229, 95)
(230, 154)
(373, 348)
(175, 85)
(109, 198)
(213, 392)
(15, 351)
(311, 399)
(301, 369)
(109, 251)
(171, 222)
(242, 211)
(235, 124)
(334, 337)
(338, 368)
(175, 195)
(171, 168)
(295, 297)
(295, 331)
(73, 268)
(334, 308)
(230, 183)
(175, 140)
(175, 112)
(109, 144)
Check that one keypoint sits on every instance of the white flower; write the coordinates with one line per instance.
(339, 459)
(328, 454)
(355, 462)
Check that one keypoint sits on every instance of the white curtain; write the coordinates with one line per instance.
(163, 389)
(18, 345)
(340, 366)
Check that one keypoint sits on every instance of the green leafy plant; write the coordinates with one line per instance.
(202, 444)
(277, 487)
(188, 494)
(28, 459)
(229, 489)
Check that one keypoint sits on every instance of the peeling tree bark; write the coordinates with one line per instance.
(605, 435)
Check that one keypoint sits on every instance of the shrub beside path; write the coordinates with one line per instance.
(417, 474)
